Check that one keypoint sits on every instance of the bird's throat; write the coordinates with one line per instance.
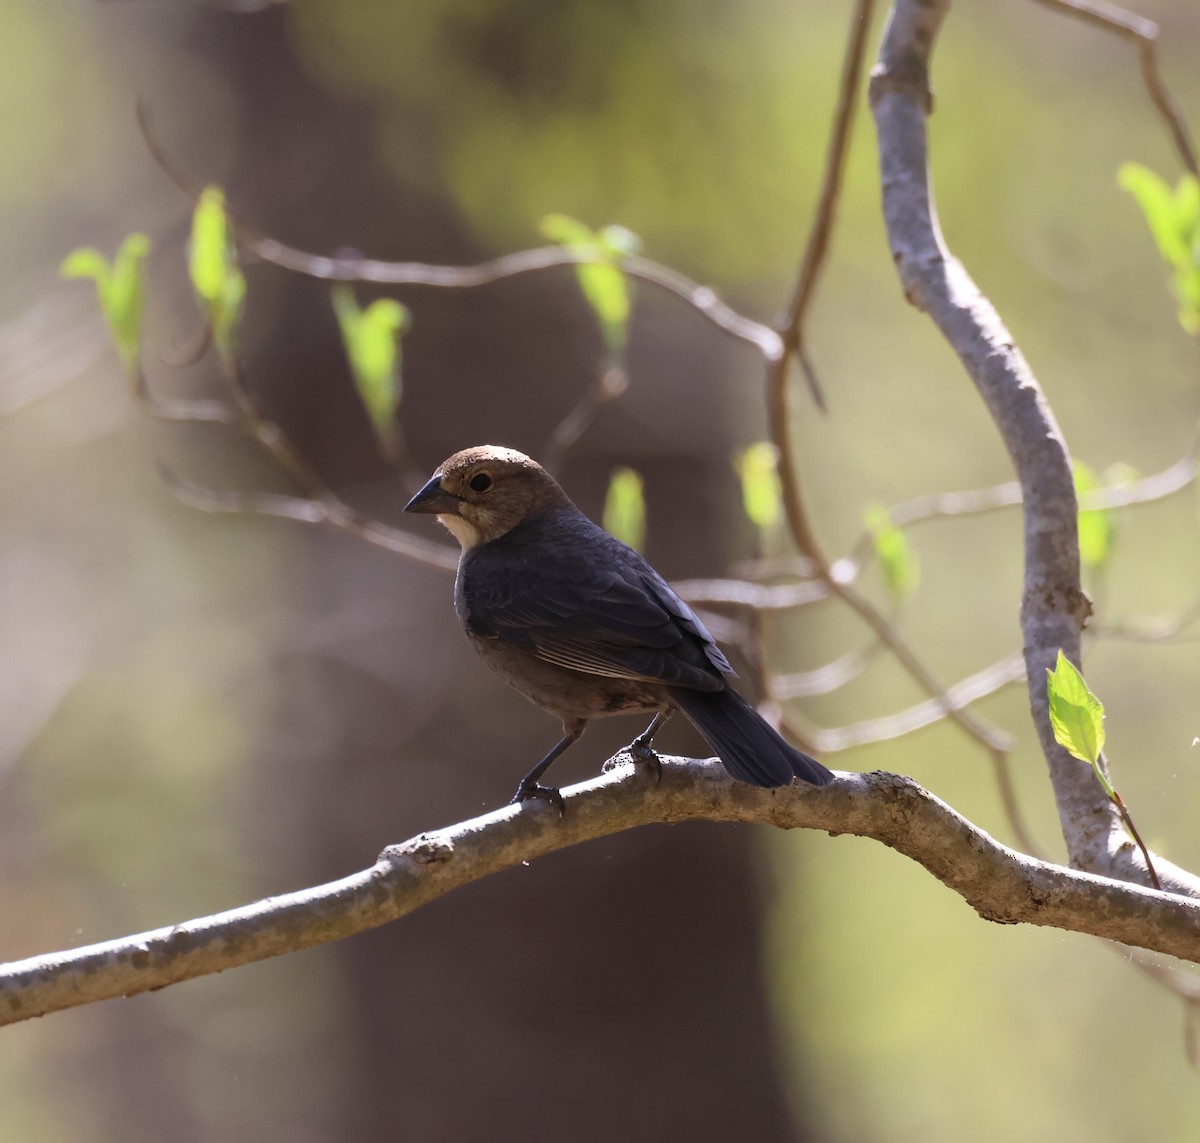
(463, 531)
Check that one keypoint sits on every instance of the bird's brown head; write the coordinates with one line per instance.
(482, 493)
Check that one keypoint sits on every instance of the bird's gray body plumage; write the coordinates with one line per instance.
(583, 626)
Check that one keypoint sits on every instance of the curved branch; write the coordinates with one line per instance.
(1000, 884)
(1054, 607)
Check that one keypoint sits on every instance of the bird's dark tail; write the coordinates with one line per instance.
(750, 749)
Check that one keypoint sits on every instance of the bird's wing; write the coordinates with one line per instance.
(603, 618)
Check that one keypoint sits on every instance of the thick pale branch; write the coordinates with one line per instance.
(1000, 884)
(1054, 607)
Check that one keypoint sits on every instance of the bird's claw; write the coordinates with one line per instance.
(534, 791)
(644, 755)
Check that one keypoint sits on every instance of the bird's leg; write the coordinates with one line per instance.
(641, 749)
(530, 787)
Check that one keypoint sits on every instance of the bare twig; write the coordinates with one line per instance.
(610, 385)
(831, 677)
(940, 505)
(1000, 884)
(759, 596)
(203, 411)
(956, 697)
(779, 418)
(831, 185)
(1162, 629)
(329, 512)
(353, 268)
(1123, 810)
(1143, 34)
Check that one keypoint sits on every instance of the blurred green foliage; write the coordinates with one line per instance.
(1174, 221)
(758, 468)
(897, 559)
(625, 508)
(607, 290)
(1097, 527)
(371, 338)
(212, 262)
(120, 290)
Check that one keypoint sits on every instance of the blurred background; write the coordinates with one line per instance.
(196, 711)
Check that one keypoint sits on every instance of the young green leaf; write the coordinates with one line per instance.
(625, 508)
(1097, 527)
(372, 341)
(605, 288)
(898, 560)
(761, 495)
(1076, 715)
(120, 290)
(212, 262)
(1157, 201)
(1174, 221)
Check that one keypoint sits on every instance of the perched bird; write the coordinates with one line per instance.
(583, 626)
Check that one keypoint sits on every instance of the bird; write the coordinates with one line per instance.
(582, 626)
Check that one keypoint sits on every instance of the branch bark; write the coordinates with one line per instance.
(1054, 607)
(999, 883)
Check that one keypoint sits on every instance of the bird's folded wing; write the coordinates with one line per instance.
(606, 622)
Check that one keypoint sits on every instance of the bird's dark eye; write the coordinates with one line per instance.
(480, 482)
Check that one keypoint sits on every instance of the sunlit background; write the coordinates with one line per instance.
(196, 710)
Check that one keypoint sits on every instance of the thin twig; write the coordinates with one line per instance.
(795, 510)
(1008, 670)
(610, 385)
(270, 434)
(205, 411)
(759, 596)
(332, 513)
(941, 505)
(353, 268)
(817, 247)
(830, 677)
(1143, 34)
(1157, 630)
(1137, 837)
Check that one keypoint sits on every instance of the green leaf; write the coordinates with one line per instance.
(372, 341)
(1097, 528)
(1174, 221)
(605, 288)
(86, 262)
(901, 569)
(761, 494)
(1158, 204)
(625, 508)
(212, 262)
(120, 290)
(1076, 715)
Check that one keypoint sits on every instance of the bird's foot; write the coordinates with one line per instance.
(643, 754)
(534, 791)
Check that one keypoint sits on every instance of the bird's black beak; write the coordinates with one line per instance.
(434, 499)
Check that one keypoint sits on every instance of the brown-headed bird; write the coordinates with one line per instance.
(582, 626)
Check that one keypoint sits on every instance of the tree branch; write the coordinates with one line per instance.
(1000, 884)
(1054, 606)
